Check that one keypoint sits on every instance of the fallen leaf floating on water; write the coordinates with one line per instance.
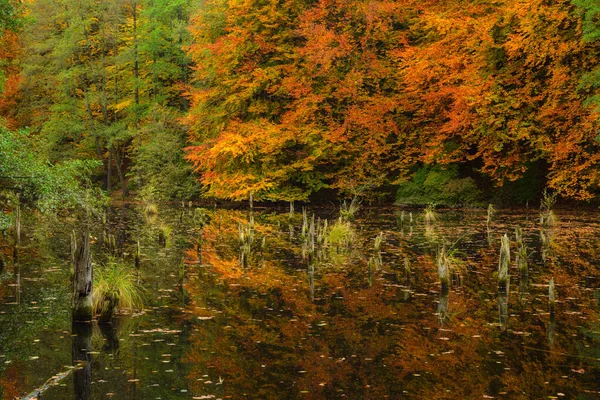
(159, 330)
(579, 371)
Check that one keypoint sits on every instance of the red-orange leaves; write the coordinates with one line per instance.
(295, 100)
(291, 96)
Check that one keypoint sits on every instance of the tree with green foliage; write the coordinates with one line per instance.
(439, 185)
(107, 67)
(10, 17)
(25, 171)
(589, 83)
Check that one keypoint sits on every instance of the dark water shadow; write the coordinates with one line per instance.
(81, 348)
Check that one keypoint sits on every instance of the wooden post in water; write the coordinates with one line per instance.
(551, 296)
(442, 309)
(83, 281)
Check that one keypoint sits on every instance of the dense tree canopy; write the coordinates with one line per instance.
(284, 99)
(344, 94)
(96, 75)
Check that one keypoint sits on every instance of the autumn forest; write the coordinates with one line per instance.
(450, 102)
(299, 199)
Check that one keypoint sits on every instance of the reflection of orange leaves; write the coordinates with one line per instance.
(12, 381)
(265, 326)
(228, 268)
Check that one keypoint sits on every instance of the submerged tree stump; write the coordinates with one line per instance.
(82, 282)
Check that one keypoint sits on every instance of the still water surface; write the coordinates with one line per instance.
(291, 325)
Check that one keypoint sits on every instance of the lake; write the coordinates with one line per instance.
(241, 304)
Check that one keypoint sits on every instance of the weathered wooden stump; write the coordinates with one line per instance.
(83, 281)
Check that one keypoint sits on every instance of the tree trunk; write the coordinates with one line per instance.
(119, 162)
(109, 171)
(18, 283)
(82, 282)
(136, 68)
(94, 133)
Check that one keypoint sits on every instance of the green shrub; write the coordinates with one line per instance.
(439, 185)
(25, 169)
(159, 158)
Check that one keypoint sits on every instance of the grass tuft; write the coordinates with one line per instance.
(115, 289)
(340, 234)
(151, 209)
(490, 214)
(547, 217)
(348, 211)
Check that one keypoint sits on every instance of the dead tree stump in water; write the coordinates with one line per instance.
(83, 281)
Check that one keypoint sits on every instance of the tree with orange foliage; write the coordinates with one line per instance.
(10, 23)
(497, 87)
(359, 93)
(283, 111)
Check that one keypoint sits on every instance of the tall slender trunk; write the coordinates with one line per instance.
(109, 171)
(91, 127)
(119, 162)
(18, 222)
(184, 75)
(154, 78)
(136, 67)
